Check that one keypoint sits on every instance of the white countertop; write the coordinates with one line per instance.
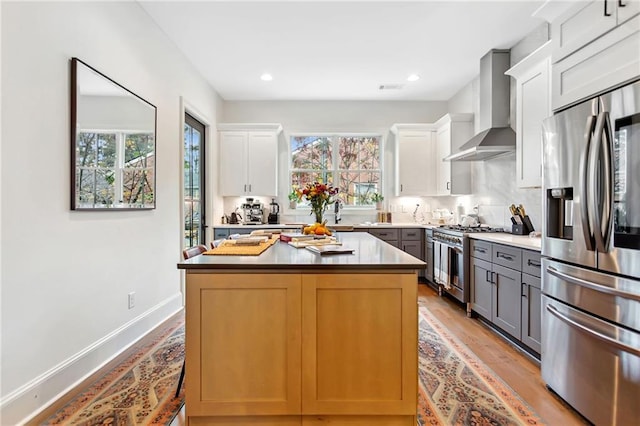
(520, 241)
(355, 225)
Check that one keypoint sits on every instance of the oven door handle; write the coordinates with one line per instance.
(590, 285)
(613, 342)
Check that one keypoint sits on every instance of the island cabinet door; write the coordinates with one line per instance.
(243, 344)
(359, 350)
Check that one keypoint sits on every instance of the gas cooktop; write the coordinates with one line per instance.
(469, 229)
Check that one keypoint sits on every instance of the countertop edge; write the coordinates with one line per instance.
(519, 241)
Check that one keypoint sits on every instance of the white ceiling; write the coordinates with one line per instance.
(337, 50)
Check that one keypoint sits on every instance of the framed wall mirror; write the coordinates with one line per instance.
(113, 144)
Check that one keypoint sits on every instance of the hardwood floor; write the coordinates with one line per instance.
(514, 367)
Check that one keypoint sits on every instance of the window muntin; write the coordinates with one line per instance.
(355, 169)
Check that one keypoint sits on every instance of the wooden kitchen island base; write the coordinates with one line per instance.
(318, 345)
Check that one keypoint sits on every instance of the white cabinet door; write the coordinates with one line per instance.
(627, 9)
(580, 25)
(416, 176)
(443, 168)
(533, 105)
(262, 163)
(233, 163)
(453, 131)
(605, 63)
(248, 160)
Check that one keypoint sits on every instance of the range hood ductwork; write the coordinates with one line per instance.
(498, 138)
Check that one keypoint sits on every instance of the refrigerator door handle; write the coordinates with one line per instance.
(607, 161)
(593, 333)
(591, 285)
(599, 219)
(587, 230)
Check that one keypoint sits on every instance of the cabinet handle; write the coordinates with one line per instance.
(505, 256)
(245, 187)
(481, 250)
(532, 263)
(249, 187)
(400, 187)
(493, 279)
(488, 277)
(606, 11)
(522, 290)
(449, 185)
(620, 4)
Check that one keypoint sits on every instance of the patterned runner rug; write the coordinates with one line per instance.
(138, 391)
(456, 388)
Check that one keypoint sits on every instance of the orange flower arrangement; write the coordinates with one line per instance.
(319, 196)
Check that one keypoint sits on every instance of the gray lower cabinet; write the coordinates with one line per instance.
(531, 312)
(409, 240)
(506, 300)
(388, 235)
(481, 287)
(531, 300)
(505, 295)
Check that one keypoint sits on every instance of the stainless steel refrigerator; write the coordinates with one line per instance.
(591, 244)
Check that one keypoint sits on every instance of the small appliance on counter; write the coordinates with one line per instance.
(274, 212)
(253, 212)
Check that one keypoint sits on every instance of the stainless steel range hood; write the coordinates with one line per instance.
(497, 138)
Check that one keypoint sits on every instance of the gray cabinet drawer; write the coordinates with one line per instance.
(387, 234)
(509, 257)
(481, 250)
(412, 234)
(531, 262)
(220, 233)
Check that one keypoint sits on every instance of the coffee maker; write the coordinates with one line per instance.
(253, 212)
(274, 212)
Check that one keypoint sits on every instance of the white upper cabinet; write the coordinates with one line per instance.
(533, 105)
(248, 159)
(452, 131)
(595, 48)
(414, 159)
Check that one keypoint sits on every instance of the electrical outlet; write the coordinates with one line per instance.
(132, 299)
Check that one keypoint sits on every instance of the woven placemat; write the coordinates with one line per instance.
(240, 250)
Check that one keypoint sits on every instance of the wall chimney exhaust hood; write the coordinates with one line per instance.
(497, 138)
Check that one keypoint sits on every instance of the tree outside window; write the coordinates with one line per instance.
(348, 162)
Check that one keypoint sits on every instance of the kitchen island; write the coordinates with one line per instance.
(291, 337)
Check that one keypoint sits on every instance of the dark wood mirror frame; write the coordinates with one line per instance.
(113, 144)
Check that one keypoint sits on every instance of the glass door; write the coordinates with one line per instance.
(194, 191)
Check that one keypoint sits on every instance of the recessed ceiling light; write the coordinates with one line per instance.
(266, 77)
(413, 77)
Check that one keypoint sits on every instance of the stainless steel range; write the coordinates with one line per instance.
(451, 259)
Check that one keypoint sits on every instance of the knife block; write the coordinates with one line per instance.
(525, 228)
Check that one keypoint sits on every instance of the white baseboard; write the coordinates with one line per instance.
(27, 401)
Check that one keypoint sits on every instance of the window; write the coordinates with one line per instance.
(114, 169)
(349, 162)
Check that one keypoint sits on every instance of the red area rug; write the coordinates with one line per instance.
(456, 388)
(139, 391)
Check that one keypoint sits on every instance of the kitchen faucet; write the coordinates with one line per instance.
(337, 206)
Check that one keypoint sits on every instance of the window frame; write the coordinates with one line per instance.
(335, 171)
